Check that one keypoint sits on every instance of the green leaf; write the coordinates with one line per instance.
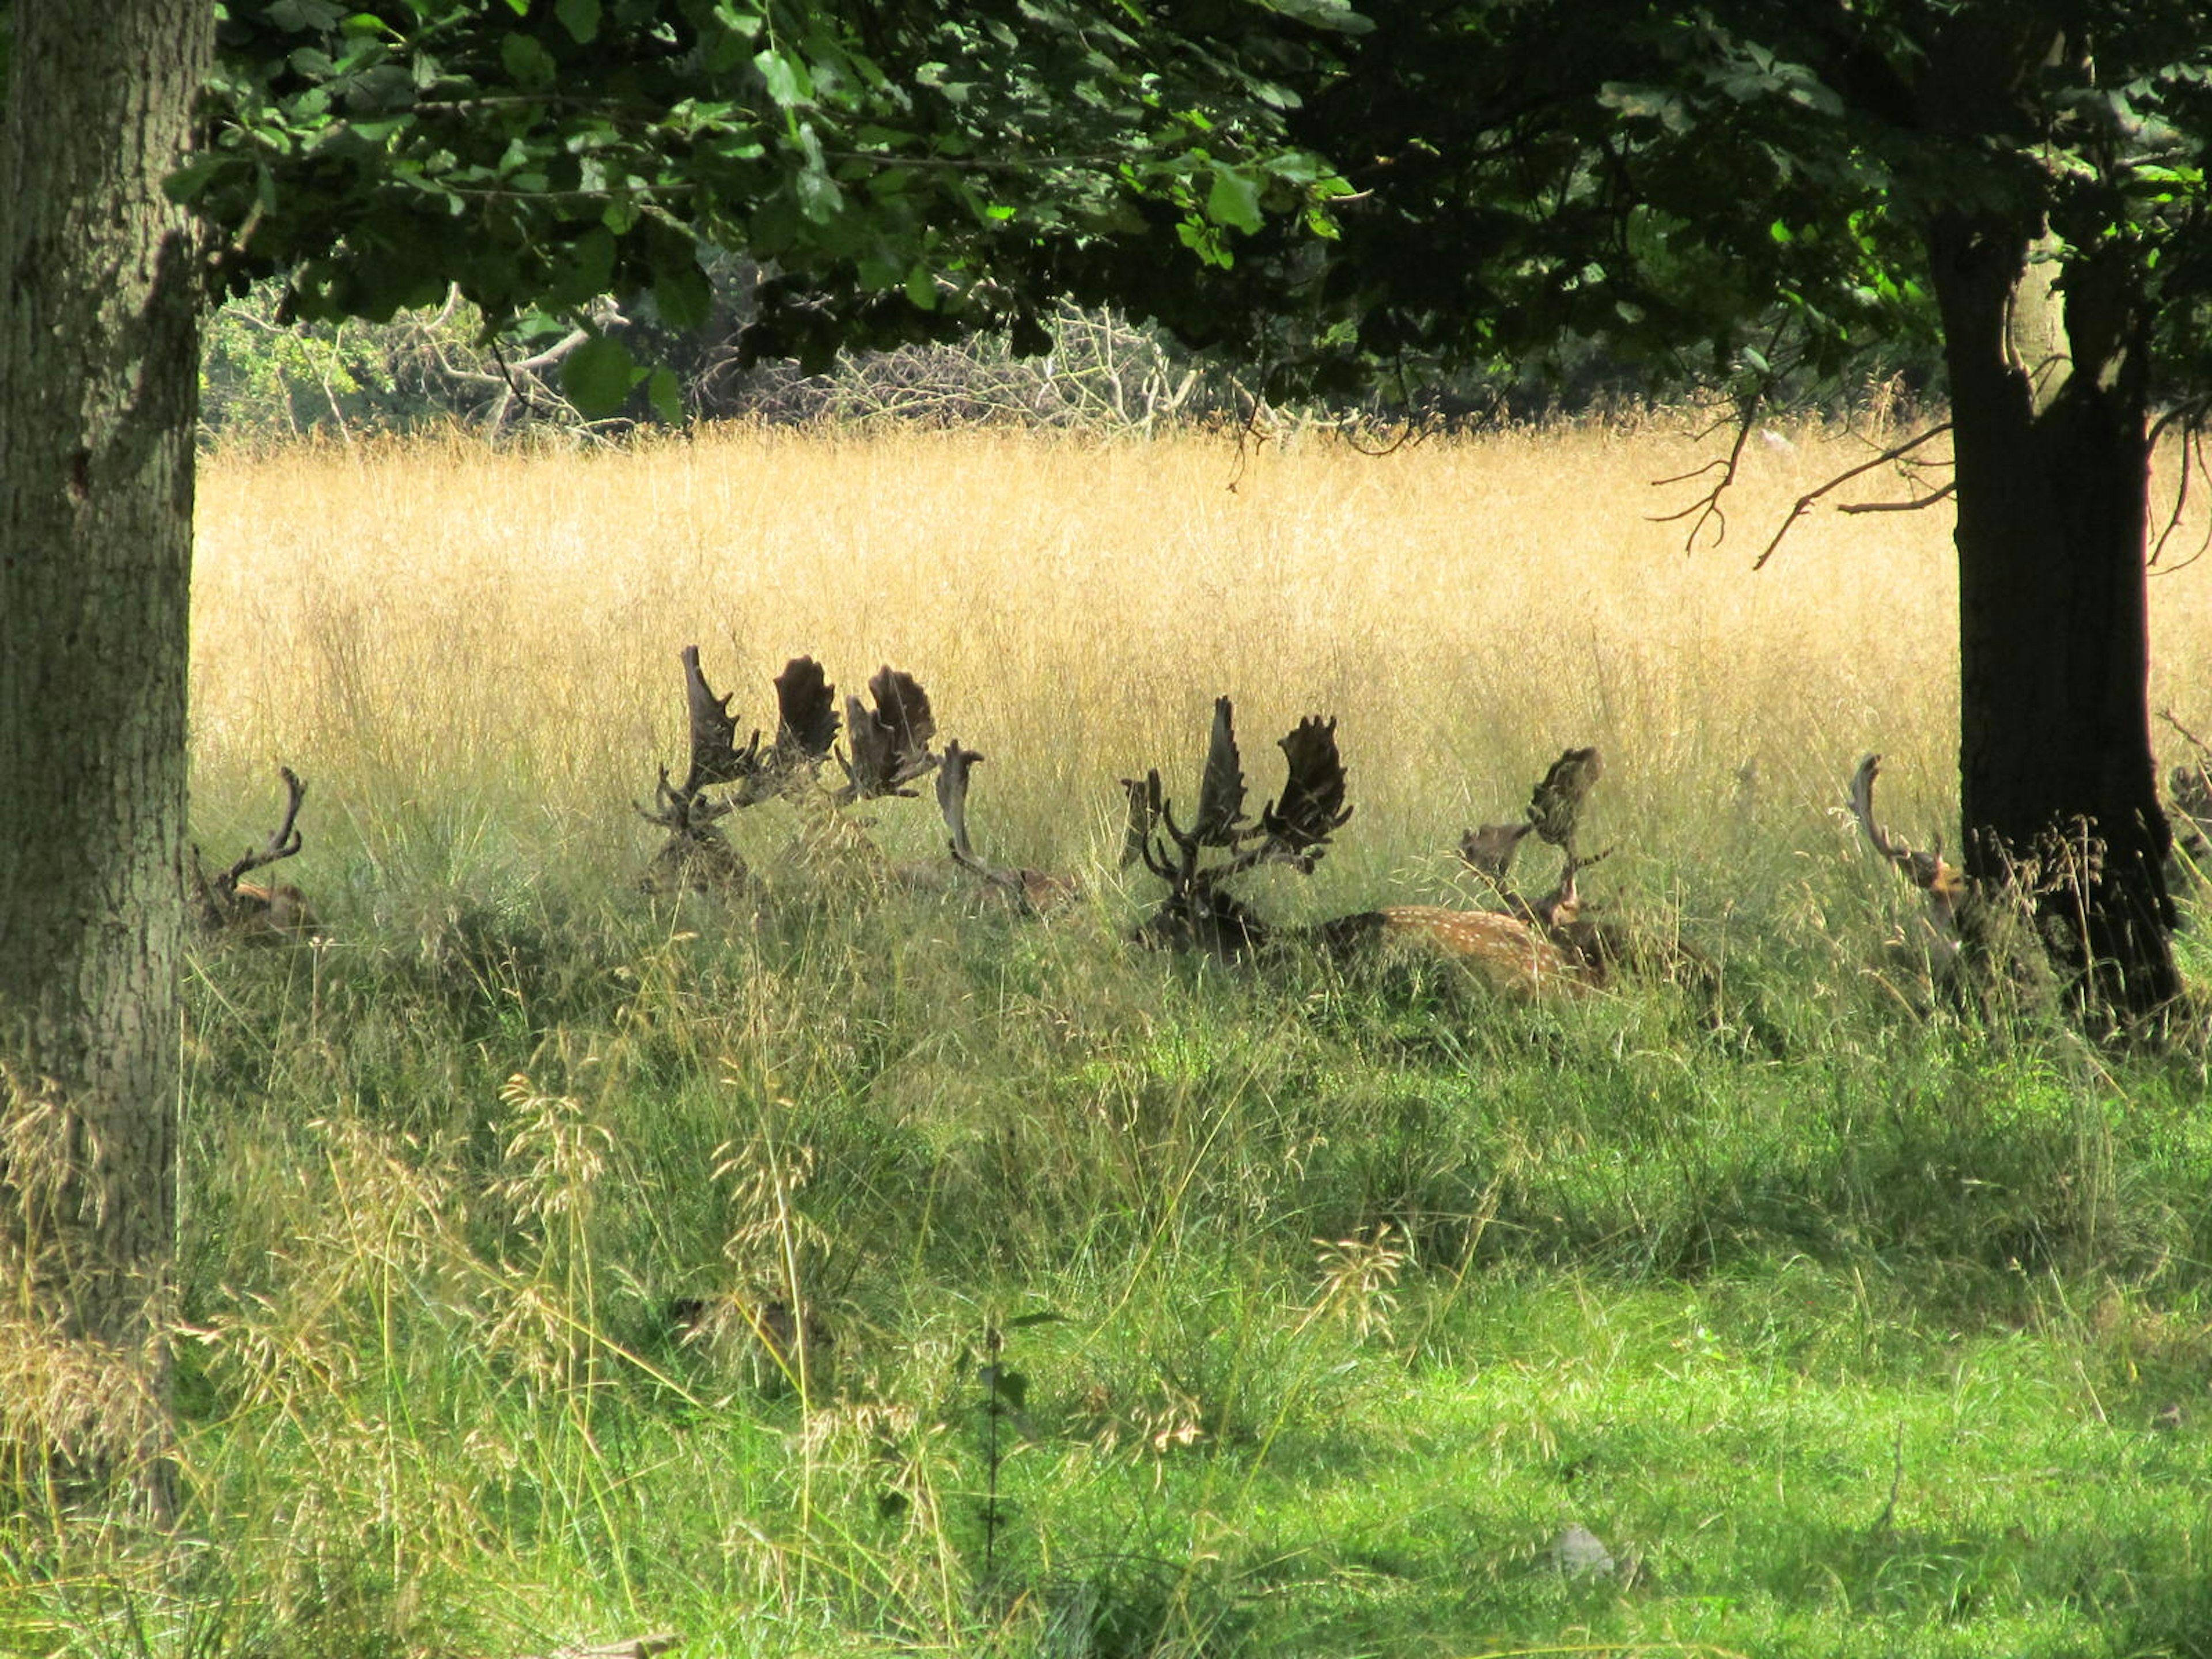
(784, 77)
(597, 377)
(528, 61)
(579, 17)
(682, 295)
(1336, 15)
(921, 287)
(666, 396)
(1234, 199)
(819, 198)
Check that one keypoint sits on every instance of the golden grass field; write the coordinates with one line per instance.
(432, 628)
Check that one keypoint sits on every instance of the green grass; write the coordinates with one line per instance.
(1851, 1325)
(1327, 1302)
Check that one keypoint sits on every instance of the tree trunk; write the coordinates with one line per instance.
(99, 393)
(2049, 400)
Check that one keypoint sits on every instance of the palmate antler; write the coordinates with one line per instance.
(1294, 829)
(890, 742)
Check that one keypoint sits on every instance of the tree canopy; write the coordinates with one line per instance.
(906, 170)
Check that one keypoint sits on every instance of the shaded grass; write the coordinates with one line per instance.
(1712, 1302)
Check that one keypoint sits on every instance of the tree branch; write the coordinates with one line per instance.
(1896, 452)
(1706, 509)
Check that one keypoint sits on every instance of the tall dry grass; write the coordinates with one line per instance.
(430, 627)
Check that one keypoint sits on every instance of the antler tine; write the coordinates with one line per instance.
(1221, 788)
(683, 809)
(283, 844)
(1144, 795)
(952, 796)
(952, 802)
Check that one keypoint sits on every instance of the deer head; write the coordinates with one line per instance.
(1944, 885)
(1034, 891)
(258, 910)
(1199, 862)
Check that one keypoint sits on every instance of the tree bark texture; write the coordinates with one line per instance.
(99, 389)
(2060, 787)
(2047, 348)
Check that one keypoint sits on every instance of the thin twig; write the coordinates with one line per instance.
(1706, 509)
(2193, 440)
(1896, 452)
(1914, 506)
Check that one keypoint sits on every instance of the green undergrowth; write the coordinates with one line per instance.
(1132, 1305)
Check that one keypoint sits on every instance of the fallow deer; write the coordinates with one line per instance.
(1943, 885)
(1036, 891)
(697, 854)
(262, 912)
(1295, 830)
(890, 750)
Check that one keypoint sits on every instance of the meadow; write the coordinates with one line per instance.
(843, 1267)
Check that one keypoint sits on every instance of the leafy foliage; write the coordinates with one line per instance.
(907, 171)
(1740, 190)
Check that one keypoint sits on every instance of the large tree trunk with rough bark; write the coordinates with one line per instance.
(99, 384)
(2048, 362)
(2049, 401)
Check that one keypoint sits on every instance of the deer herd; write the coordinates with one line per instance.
(1555, 943)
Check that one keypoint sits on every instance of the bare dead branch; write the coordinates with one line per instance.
(1894, 453)
(1915, 505)
(1706, 509)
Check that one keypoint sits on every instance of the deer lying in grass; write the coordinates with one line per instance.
(2189, 786)
(1554, 816)
(259, 911)
(697, 854)
(1199, 862)
(1036, 891)
(1943, 885)
(890, 750)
